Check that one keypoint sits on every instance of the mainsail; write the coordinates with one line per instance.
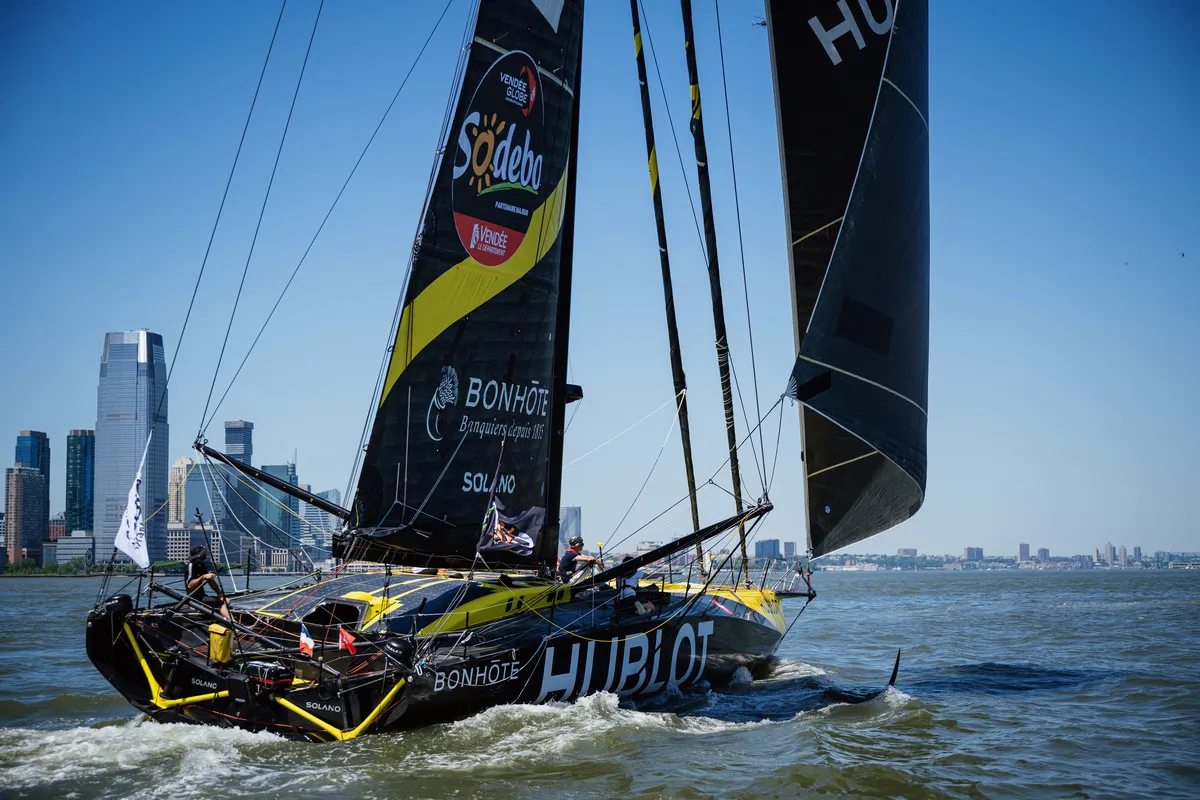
(851, 90)
(459, 456)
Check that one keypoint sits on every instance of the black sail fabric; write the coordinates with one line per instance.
(851, 86)
(459, 444)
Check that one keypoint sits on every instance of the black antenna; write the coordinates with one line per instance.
(714, 272)
(677, 374)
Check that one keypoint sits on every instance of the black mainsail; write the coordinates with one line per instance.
(851, 90)
(459, 455)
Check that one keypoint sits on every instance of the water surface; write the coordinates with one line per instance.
(1012, 684)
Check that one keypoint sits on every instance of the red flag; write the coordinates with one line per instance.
(345, 640)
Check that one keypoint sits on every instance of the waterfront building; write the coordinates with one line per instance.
(182, 537)
(316, 531)
(33, 450)
(766, 548)
(1043, 554)
(1110, 554)
(132, 389)
(789, 549)
(58, 526)
(281, 511)
(242, 502)
(973, 554)
(1137, 554)
(204, 491)
(177, 506)
(81, 479)
(80, 544)
(1023, 551)
(49, 554)
(906, 552)
(1122, 557)
(26, 521)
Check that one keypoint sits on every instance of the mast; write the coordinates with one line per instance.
(548, 553)
(677, 374)
(714, 271)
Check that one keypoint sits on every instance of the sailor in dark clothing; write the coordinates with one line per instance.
(197, 575)
(572, 558)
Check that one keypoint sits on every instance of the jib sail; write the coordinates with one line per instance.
(851, 86)
(460, 457)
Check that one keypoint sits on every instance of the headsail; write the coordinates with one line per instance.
(851, 88)
(466, 405)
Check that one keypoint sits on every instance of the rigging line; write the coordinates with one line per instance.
(667, 438)
(287, 536)
(778, 439)
(760, 468)
(261, 212)
(671, 124)
(718, 470)
(171, 496)
(329, 213)
(220, 210)
(439, 151)
(223, 553)
(627, 430)
(741, 247)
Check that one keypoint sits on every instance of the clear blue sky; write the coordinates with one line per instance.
(1065, 185)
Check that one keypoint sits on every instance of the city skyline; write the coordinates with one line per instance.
(1051, 261)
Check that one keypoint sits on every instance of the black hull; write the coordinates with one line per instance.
(159, 660)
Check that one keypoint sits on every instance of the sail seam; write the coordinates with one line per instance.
(844, 463)
(812, 233)
(550, 76)
(924, 121)
(877, 385)
(857, 171)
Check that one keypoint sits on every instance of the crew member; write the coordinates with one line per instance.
(197, 575)
(572, 558)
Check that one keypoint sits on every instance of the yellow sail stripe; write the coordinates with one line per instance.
(468, 284)
(695, 101)
(637, 42)
(653, 169)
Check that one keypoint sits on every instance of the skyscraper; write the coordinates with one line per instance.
(1043, 554)
(33, 450)
(133, 376)
(81, 479)
(316, 532)
(242, 501)
(1023, 551)
(789, 549)
(1121, 557)
(766, 548)
(205, 491)
(239, 440)
(1137, 554)
(177, 506)
(26, 521)
(282, 511)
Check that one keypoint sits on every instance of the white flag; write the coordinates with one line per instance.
(131, 539)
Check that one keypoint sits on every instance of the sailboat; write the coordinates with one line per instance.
(461, 607)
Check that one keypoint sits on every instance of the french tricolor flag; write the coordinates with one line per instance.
(306, 641)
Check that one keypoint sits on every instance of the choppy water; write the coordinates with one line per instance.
(1011, 685)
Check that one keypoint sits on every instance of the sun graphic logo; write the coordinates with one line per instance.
(445, 396)
(483, 149)
(499, 169)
